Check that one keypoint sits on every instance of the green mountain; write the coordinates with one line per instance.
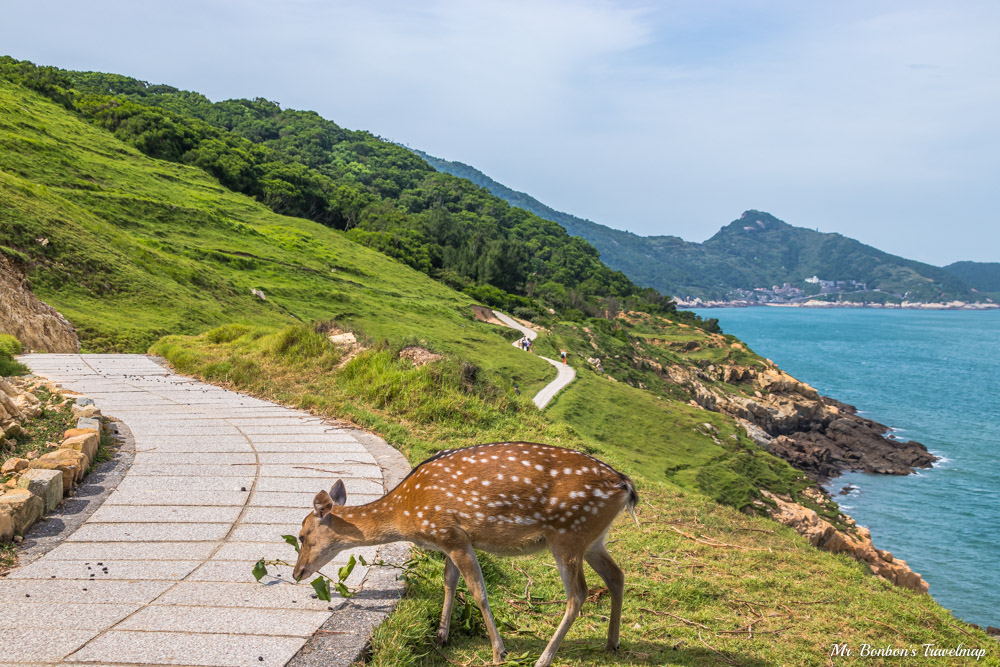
(155, 229)
(983, 276)
(756, 250)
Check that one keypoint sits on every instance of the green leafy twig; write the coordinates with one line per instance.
(322, 583)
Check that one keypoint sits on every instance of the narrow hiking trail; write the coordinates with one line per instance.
(565, 375)
(160, 573)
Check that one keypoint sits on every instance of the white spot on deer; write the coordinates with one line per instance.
(479, 515)
(514, 478)
(553, 500)
(553, 472)
(568, 471)
(526, 463)
(405, 513)
(511, 458)
(500, 476)
(539, 467)
(420, 515)
(486, 482)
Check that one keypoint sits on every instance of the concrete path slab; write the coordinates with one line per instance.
(160, 573)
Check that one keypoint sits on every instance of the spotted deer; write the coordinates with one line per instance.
(507, 498)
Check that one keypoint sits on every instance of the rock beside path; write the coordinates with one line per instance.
(36, 324)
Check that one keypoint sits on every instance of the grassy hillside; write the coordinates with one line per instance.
(130, 248)
(745, 255)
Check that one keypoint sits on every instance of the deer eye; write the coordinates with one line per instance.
(301, 540)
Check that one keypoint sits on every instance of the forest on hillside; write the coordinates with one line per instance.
(380, 194)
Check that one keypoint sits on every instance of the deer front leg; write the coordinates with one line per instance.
(450, 582)
(467, 563)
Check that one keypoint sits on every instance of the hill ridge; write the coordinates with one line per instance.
(717, 270)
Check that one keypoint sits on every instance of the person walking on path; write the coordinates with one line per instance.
(562, 353)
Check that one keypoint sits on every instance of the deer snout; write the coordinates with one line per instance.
(301, 570)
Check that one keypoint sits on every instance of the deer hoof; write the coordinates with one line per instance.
(611, 648)
(441, 638)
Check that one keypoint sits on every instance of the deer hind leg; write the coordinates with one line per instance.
(466, 562)
(598, 558)
(570, 564)
(450, 582)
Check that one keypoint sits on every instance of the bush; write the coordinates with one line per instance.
(9, 346)
(525, 313)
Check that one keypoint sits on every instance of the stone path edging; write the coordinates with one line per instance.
(565, 373)
(160, 573)
(87, 498)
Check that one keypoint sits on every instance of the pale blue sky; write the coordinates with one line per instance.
(878, 120)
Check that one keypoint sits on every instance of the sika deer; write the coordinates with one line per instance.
(507, 498)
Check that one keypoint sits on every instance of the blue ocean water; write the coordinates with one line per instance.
(935, 377)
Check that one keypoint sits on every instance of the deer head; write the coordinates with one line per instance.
(324, 533)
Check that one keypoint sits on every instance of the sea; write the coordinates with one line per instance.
(934, 377)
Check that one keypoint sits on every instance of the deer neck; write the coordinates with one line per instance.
(372, 524)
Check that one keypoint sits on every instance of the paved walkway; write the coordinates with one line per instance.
(160, 573)
(565, 375)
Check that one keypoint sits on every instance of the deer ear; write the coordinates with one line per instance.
(338, 493)
(322, 504)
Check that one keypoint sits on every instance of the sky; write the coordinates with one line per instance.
(877, 120)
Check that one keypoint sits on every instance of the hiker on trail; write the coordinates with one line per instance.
(562, 353)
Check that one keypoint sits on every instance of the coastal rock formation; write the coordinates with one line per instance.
(816, 434)
(37, 325)
(823, 534)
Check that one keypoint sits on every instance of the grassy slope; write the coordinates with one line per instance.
(138, 247)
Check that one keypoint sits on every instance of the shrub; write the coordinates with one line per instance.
(9, 346)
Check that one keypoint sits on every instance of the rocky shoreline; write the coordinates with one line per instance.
(848, 442)
(817, 303)
(818, 435)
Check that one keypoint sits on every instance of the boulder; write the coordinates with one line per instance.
(14, 430)
(25, 508)
(73, 432)
(6, 524)
(13, 465)
(85, 411)
(89, 422)
(72, 463)
(46, 484)
(84, 401)
(86, 443)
